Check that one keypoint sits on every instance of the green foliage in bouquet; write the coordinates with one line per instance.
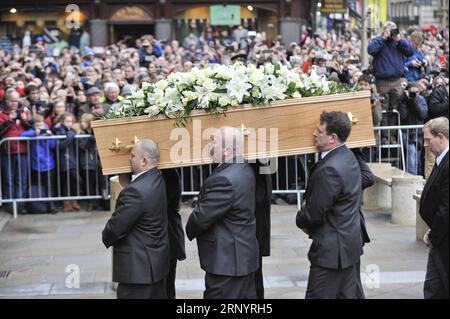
(217, 88)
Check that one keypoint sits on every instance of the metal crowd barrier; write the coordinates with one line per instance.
(406, 152)
(76, 185)
(289, 182)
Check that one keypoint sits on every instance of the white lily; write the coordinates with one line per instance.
(238, 88)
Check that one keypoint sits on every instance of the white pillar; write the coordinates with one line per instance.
(403, 204)
(421, 227)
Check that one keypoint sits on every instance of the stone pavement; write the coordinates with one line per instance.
(36, 249)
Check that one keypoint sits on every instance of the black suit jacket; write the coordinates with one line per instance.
(224, 222)
(175, 225)
(263, 201)
(367, 180)
(434, 209)
(331, 213)
(138, 231)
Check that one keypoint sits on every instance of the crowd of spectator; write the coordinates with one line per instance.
(44, 91)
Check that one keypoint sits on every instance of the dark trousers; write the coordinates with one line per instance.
(170, 279)
(15, 176)
(324, 283)
(90, 182)
(45, 180)
(259, 281)
(142, 291)
(391, 90)
(227, 287)
(436, 279)
(70, 183)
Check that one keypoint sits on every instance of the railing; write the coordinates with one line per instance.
(26, 179)
(289, 182)
(402, 146)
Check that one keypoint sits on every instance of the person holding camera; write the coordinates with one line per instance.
(415, 65)
(365, 83)
(42, 160)
(437, 106)
(389, 51)
(13, 122)
(413, 111)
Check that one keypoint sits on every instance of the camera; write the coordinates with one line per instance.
(394, 33)
(353, 61)
(296, 60)
(374, 98)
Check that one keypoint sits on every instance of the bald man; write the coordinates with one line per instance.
(138, 229)
(224, 221)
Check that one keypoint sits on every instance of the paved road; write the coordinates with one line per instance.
(35, 251)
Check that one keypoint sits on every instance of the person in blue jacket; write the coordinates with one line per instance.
(416, 64)
(42, 160)
(389, 51)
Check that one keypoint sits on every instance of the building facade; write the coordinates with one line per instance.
(109, 20)
(418, 12)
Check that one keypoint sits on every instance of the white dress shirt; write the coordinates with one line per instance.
(441, 157)
(133, 177)
(325, 153)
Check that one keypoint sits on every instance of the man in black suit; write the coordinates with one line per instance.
(331, 213)
(224, 221)
(263, 197)
(367, 180)
(434, 210)
(175, 226)
(138, 229)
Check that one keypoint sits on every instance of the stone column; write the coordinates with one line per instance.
(403, 205)
(377, 196)
(290, 29)
(99, 32)
(163, 29)
(421, 227)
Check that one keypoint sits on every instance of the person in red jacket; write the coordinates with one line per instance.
(13, 122)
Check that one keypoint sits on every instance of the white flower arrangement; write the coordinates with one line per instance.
(216, 88)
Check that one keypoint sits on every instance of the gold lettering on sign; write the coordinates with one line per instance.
(131, 13)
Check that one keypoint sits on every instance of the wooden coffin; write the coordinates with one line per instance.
(280, 129)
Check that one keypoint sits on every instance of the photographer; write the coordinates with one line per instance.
(13, 122)
(146, 53)
(415, 65)
(413, 111)
(389, 51)
(365, 83)
(438, 101)
(437, 106)
(35, 105)
(42, 159)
